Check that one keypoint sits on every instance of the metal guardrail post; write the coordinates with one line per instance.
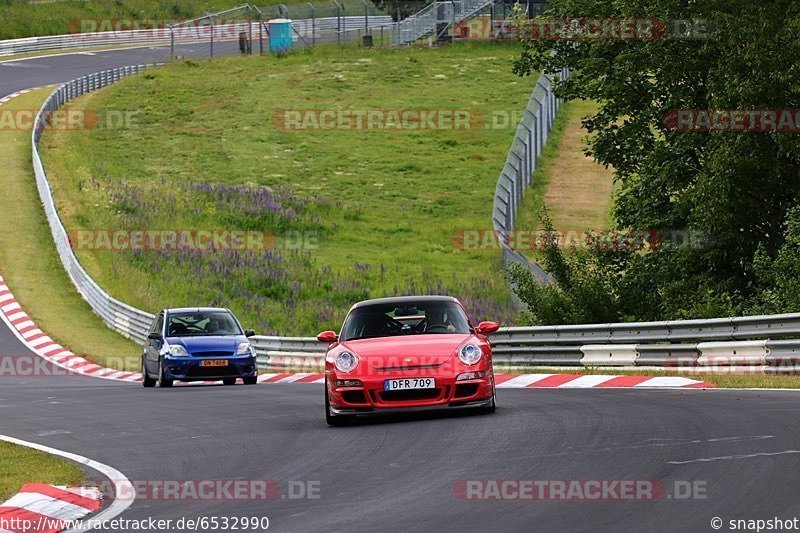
(260, 34)
(171, 43)
(366, 14)
(211, 18)
(338, 21)
(453, 20)
(249, 30)
(313, 24)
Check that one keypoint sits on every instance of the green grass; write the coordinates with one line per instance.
(20, 465)
(721, 380)
(29, 262)
(382, 205)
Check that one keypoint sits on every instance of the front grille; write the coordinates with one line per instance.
(406, 395)
(213, 371)
(212, 354)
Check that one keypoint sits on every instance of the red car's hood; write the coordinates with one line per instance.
(407, 351)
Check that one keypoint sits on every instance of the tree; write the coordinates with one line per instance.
(734, 187)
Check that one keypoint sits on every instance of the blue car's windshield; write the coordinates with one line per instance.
(202, 324)
(417, 318)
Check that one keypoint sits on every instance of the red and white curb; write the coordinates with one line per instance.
(11, 96)
(543, 381)
(586, 381)
(35, 339)
(86, 499)
(47, 508)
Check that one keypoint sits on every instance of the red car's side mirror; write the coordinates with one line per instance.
(484, 328)
(327, 336)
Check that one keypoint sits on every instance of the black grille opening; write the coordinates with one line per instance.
(354, 396)
(414, 394)
(468, 389)
(212, 354)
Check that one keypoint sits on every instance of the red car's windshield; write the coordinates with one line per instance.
(416, 318)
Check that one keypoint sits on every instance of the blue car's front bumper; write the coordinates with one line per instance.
(192, 368)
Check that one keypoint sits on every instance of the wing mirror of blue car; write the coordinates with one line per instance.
(327, 336)
(249, 333)
(484, 328)
(155, 336)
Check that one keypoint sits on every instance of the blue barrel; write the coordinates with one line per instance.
(280, 35)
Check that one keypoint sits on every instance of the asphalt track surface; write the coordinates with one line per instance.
(743, 447)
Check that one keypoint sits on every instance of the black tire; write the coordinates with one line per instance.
(229, 381)
(163, 382)
(250, 381)
(147, 381)
(336, 421)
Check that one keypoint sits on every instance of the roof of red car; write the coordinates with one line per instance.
(406, 300)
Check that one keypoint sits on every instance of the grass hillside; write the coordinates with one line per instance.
(376, 210)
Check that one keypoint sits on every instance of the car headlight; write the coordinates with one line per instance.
(346, 362)
(245, 349)
(470, 354)
(176, 350)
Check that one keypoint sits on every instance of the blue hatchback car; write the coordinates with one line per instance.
(198, 344)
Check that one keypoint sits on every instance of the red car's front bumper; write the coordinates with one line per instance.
(371, 396)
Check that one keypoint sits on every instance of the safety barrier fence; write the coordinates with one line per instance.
(323, 29)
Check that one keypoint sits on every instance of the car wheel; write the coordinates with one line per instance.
(162, 381)
(331, 419)
(229, 381)
(147, 381)
(251, 380)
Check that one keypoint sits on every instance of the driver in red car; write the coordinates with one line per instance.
(436, 320)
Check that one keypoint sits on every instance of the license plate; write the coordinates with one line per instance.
(409, 383)
(214, 362)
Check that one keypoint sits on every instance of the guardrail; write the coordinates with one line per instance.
(129, 321)
(725, 342)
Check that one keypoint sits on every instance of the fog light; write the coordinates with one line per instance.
(347, 383)
(470, 375)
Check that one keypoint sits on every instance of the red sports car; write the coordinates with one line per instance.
(405, 354)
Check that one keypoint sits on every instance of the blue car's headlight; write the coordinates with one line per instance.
(245, 349)
(176, 350)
